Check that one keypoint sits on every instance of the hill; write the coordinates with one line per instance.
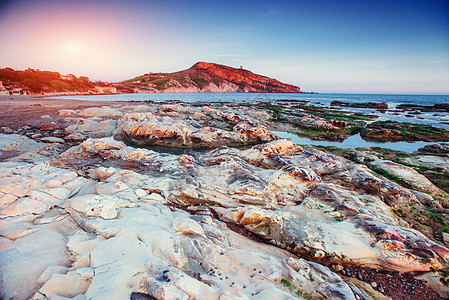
(200, 78)
(33, 82)
(207, 78)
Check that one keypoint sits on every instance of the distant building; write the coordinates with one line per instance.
(3, 90)
(18, 91)
(68, 77)
(106, 89)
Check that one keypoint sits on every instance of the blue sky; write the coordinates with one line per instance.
(324, 46)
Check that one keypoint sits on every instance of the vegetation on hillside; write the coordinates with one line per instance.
(37, 81)
(159, 81)
(201, 75)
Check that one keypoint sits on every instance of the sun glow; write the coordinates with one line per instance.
(73, 47)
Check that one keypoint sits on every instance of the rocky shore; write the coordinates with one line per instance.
(202, 201)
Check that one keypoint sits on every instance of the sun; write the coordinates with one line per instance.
(73, 47)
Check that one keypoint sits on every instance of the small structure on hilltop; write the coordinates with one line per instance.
(68, 77)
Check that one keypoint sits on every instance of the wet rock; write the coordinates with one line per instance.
(49, 128)
(437, 162)
(311, 121)
(446, 238)
(435, 281)
(394, 131)
(148, 129)
(75, 137)
(435, 149)
(439, 107)
(92, 128)
(363, 178)
(409, 175)
(66, 112)
(52, 139)
(16, 142)
(337, 267)
(6, 130)
(373, 105)
(368, 237)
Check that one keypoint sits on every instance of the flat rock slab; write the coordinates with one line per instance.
(52, 139)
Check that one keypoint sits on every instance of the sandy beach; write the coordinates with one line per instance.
(16, 111)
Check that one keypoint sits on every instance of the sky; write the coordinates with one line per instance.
(354, 46)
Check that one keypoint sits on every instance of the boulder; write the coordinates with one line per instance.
(52, 139)
(147, 129)
(103, 112)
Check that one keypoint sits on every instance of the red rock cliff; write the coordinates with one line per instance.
(207, 78)
(255, 82)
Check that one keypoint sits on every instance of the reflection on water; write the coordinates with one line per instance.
(354, 141)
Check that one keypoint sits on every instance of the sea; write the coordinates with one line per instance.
(320, 99)
(439, 119)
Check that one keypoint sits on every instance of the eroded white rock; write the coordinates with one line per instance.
(104, 206)
(22, 265)
(125, 233)
(66, 285)
(104, 112)
(187, 226)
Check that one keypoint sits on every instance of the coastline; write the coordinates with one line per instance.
(16, 111)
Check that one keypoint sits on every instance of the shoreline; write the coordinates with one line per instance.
(15, 110)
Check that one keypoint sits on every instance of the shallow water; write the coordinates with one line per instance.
(354, 141)
(434, 119)
(440, 119)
